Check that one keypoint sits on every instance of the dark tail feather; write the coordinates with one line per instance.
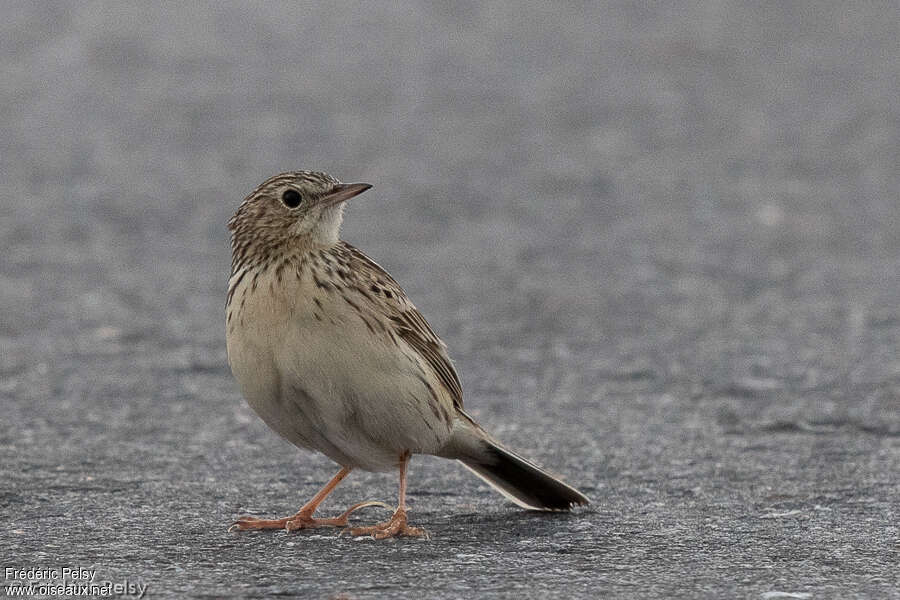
(521, 481)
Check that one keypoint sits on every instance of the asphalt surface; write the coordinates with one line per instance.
(662, 245)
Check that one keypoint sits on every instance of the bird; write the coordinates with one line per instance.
(330, 352)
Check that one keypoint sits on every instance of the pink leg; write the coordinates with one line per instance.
(304, 519)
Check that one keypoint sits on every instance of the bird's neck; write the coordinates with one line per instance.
(261, 253)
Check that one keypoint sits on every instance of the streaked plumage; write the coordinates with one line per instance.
(332, 354)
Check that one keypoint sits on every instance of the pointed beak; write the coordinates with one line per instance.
(343, 192)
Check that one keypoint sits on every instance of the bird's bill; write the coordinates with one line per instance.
(343, 192)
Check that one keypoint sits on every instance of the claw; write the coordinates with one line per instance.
(363, 504)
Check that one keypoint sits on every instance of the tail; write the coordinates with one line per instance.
(521, 481)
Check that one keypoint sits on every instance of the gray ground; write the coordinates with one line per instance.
(662, 245)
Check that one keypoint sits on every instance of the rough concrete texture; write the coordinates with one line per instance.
(662, 244)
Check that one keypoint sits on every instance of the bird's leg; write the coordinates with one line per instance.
(304, 518)
(396, 526)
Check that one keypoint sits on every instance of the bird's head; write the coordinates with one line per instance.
(295, 209)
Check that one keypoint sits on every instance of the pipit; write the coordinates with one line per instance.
(332, 354)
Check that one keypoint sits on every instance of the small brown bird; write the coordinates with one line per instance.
(330, 352)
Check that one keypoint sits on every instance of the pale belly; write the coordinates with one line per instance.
(316, 374)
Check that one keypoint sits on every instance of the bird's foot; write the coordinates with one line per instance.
(301, 520)
(395, 527)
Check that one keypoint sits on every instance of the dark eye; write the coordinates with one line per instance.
(291, 198)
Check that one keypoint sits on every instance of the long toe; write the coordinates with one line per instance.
(294, 523)
(364, 504)
(302, 521)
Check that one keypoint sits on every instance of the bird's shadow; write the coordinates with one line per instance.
(511, 522)
(475, 523)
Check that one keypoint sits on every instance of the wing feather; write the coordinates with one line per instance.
(408, 322)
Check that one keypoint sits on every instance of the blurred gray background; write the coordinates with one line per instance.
(661, 242)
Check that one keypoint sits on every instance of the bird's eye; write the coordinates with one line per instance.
(291, 198)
